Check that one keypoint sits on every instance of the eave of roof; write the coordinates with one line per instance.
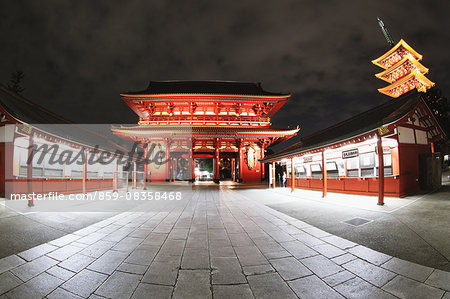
(142, 130)
(204, 88)
(24, 111)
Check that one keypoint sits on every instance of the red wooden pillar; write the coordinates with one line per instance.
(263, 174)
(241, 161)
(168, 160)
(324, 175)
(134, 175)
(30, 169)
(146, 161)
(292, 175)
(216, 162)
(85, 172)
(274, 179)
(233, 169)
(116, 177)
(432, 147)
(190, 160)
(380, 172)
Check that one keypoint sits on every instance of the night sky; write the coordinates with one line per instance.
(78, 56)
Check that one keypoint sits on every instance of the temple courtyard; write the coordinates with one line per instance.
(227, 241)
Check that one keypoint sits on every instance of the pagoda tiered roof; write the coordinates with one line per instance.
(394, 55)
(403, 71)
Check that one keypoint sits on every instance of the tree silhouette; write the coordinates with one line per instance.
(440, 107)
(15, 82)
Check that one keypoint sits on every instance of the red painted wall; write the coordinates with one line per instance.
(368, 186)
(409, 166)
(63, 186)
(254, 175)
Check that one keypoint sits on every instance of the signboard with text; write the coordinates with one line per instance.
(350, 153)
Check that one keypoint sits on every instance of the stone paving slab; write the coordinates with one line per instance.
(212, 244)
(29, 270)
(407, 288)
(119, 285)
(290, 268)
(8, 281)
(408, 269)
(232, 291)
(84, 283)
(193, 284)
(10, 262)
(37, 251)
(270, 286)
(313, 287)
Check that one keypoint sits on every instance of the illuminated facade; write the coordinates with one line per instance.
(386, 150)
(223, 123)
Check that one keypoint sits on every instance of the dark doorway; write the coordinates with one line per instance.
(225, 169)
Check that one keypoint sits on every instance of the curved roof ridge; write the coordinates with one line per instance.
(206, 87)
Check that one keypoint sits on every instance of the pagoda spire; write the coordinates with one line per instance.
(386, 34)
(402, 69)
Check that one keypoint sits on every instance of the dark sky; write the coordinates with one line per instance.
(78, 56)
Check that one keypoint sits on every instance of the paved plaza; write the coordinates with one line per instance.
(211, 244)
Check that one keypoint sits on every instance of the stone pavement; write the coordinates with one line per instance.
(216, 244)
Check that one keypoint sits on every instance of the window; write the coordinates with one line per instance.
(332, 170)
(316, 171)
(367, 162)
(77, 174)
(53, 172)
(92, 175)
(387, 159)
(300, 172)
(353, 167)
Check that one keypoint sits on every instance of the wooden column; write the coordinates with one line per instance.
(134, 175)
(168, 159)
(292, 175)
(146, 161)
(274, 179)
(191, 160)
(85, 171)
(263, 174)
(116, 177)
(241, 160)
(324, 175)
(380, 172)
(233, 169)
(30, 169)
(432, 147)
(216, 161)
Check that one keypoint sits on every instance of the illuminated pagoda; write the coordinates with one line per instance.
(198, 123)
(402, 70)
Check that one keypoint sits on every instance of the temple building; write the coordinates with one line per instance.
(35, 145)
(208, 130)
(386, 150)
